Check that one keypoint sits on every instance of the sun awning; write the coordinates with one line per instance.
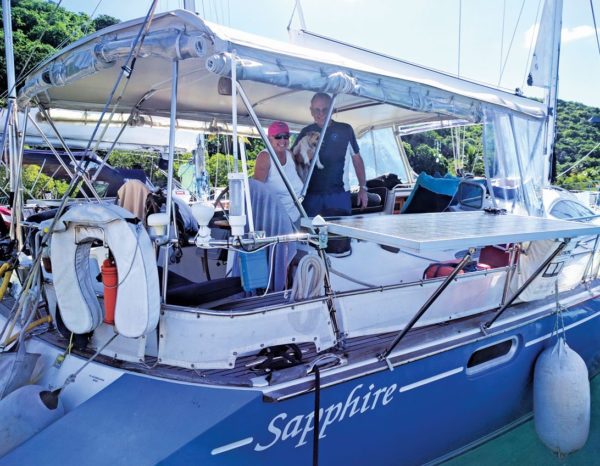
(278, 77)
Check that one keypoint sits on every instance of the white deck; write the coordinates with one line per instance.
(454, 230)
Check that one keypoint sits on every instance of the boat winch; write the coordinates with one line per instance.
(137, 305)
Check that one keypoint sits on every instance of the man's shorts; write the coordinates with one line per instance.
(328, 205)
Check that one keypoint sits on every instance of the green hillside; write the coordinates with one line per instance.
(576, 138)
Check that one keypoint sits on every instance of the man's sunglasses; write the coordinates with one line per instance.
(282, 136)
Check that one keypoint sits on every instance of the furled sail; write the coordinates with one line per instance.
(541, 72)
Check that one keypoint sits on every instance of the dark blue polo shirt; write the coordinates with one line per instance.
(332, 155)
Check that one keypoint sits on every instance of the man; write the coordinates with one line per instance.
(328, 193)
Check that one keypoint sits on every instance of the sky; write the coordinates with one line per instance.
(488, 41)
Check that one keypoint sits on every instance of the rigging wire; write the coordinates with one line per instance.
(17, 81)
(35, 44)
(25, 72)
(512, 39)
(595, 26)
(222, 11)
(579, 161)
(215, 12)
(502, 37)
(459, 35)
(454, 154)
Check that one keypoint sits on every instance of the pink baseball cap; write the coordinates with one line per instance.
(278, 127)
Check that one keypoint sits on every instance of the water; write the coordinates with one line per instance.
(521, 446)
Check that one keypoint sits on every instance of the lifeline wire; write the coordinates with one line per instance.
(271, 266)
(71, 378)
(559, 323)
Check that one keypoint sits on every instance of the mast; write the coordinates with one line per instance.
(544, 73)
(11, 135)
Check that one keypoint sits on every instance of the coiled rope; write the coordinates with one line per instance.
(309, 278)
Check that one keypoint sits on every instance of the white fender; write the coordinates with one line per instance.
(138, 297)
(561, 399)
(23, 415)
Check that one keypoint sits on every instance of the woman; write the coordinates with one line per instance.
(279, 137)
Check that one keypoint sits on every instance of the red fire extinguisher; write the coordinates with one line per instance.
(110, 279)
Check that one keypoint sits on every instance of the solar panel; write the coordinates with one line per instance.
(454, 230)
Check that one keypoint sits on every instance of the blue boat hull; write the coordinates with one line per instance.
(416, 413)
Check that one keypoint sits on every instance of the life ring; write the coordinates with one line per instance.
(138, 299)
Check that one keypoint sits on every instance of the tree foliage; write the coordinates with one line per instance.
(36, 184)
(443, 151)
(217, 164)
(40, 28)
(576, 137)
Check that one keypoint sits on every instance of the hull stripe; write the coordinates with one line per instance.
(568, 327)
(429, 380)
(232, 446)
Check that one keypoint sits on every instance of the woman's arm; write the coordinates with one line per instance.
(262, 166)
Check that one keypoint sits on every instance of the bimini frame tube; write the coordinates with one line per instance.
(62, 163)
(12, 129)
(270, 149)
(17, 214)
(78, 165)
(313, 162)
(12, 90)
(110, 150)
(234, 134)
(169, 207)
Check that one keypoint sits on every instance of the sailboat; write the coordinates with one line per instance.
(415, 343)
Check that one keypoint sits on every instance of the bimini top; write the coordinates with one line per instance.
(279, 78)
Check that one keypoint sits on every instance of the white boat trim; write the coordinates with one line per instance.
(432, 379)
(231, 446)
(567, 327)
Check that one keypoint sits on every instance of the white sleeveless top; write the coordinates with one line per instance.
(275, 182)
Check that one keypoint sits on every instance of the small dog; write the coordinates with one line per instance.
(304, 152)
